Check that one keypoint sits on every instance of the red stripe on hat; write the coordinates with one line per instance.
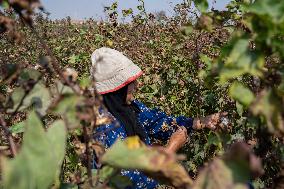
(129, 80)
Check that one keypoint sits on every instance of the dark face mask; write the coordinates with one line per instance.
(125, 113)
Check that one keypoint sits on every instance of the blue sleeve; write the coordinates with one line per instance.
(158, 124)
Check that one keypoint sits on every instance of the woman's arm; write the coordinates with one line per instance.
(211, 121)
(163, 127)
(179, 138)
(159, 125)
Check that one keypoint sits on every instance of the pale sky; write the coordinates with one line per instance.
(81, 9)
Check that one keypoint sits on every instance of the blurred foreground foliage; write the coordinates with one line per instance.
(197, 62)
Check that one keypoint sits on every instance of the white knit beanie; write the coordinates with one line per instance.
(112, 70)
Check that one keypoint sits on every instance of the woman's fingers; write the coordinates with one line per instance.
(182, 129)
(178, 139)
(211, 121)
(220, 120)
(224, 113)
(211, 126)
(217, 117)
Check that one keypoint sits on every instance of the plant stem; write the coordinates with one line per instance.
(89, 163)
(8, 134)
(55, 63)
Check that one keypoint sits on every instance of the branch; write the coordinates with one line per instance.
(55, 63)
(8, 134)
(89, 162)
(197, 51)
(25, 95)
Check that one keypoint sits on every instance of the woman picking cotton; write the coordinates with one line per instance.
(116, 80)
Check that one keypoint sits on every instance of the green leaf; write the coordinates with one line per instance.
(113, 177)
(205, 22)
(5, 4)
(59, 89)
(73, 59)
(231, 171)
(241, 93)
(17, 128)
(8, 70)
(280, 88)
(240, 61)
(106, 172)
(201, 5)
(120, 182)
(208, 61)
(114, 6)
(240, 108)
(68, 186)
(56, 135)
(98, 38)
(216, 176)
(28, 74)
(269, 105)
(85, 82)
(39, 161)
(240, 47)
(140, 7)
(187, 30)
(67, 109)
(39, 97)
(127, 12)
(269, 8)
(213, 139)
(152, 161)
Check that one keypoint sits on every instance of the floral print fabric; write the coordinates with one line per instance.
(158, 127)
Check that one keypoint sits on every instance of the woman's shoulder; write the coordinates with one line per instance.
(109, 129)
(137, 102)
(107, 119)
(140, 105)
(144, 108)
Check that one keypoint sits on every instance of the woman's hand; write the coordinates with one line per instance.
(210, 121)
(177, 140)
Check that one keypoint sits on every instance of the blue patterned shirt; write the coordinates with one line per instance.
(158, 127)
